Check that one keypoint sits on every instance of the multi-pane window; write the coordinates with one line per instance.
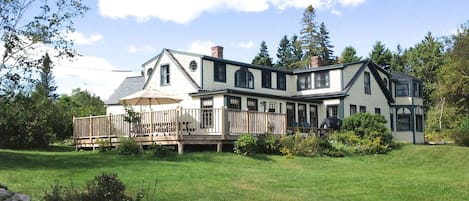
(164, 79)
(219, 72)
(353, 109)
(206, 105)
(291, 116)
(304, 81)
(362, 108)
(332, 111)
(402, 89)
(367, 83)
(252, 104)
(272, 107)
(321, 79)
(234, 102)
(244, 78)
(281, 81)
(313, 115)
(417, 89)
(377, 110)
(403, 122)
(302, 115)
(266, 79)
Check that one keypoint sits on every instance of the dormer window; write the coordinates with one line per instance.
(321, 79)
(402, 88)
(304, 82)
(244, 78)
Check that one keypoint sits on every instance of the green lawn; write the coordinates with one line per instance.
(411, 173)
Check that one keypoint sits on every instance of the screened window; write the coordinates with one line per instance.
(164, 81)
(313, 115)
(281, 81)
(252, 104)
(206, 112)
(302, 114)
(266, 79)
(321, 79)
(353, 109)
(234, 102)
(402, 89)
(403, 122)
(244, 78)
(304, 82)
(362, 109)
(291, 114)
(219, 72)
(367, 83)
(332, 111)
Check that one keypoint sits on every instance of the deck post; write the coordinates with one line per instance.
(151, 126)
(219, 146)
(74, 134)
(110, 130)
(91, 131)
(224, 123)
(180, 147)
(248, 122)
(178, 127)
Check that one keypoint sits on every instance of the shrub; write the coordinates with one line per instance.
(268, 144)
(246, 144)
(461, 134)
(128, 147)
(307, 146)
(104, 145)
(158, 150)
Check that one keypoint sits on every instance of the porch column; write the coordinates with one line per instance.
(219, 146)
(180, 147)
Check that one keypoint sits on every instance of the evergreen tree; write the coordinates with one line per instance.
(263, 58)
(380, 54)
(46, 82)
(309, 34)
(349, 55)
(398, 60)
(284, 53)
(325, 48)
(297, 53)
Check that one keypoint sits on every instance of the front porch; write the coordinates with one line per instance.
(177, 127)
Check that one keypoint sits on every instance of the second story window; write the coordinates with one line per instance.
(281, 81)
(219, 72)
(304, 82)
(266, 79)
(244, 78)
(321, 79)
(417, 89)
(402, 89)
(164, 79)
(367, 83)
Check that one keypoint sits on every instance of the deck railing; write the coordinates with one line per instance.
(181, 122)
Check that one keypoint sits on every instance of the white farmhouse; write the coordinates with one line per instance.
(306, 95)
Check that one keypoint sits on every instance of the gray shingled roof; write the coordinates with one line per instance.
(129, 86)
(402, 76)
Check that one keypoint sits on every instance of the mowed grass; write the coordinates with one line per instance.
(414, 172)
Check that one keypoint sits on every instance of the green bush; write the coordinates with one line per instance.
(246, 144)
(105, 187)
(310, 145)
(159, 151)
(104, 145)
(128, 147)
(461, 134)
(268, 144)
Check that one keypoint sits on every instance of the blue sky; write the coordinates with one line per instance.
(123, 34)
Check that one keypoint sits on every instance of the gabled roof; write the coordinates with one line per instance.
(129, 86)
(178, 65)
(402, 76)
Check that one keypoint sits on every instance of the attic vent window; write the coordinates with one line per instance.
(193, 65)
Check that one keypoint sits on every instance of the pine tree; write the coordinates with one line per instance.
(349, 55)
(380, 54)
(263, 58)
(46, 83)
(309, 34)
(398, 60)
(325, 48)
(284, 53)
(297, 53)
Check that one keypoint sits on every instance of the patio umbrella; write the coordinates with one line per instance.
(149, 97)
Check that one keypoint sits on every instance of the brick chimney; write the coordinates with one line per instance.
(217, 51)
(315, 61)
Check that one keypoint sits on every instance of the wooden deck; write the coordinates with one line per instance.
(177, 127)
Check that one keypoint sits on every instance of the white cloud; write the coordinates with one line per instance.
(246, 45)
(336, 12)
(81, 39)
(141, 49)
(183, 11)
(201, 47)
(87, 72)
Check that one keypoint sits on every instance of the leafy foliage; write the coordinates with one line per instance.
(268, 144)
(104, 145)
(263, 58)
(349, 55)
(128, 147)
(298, 145)
(380, 54)
(245, 144)
(461, 134)
(159, 150)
